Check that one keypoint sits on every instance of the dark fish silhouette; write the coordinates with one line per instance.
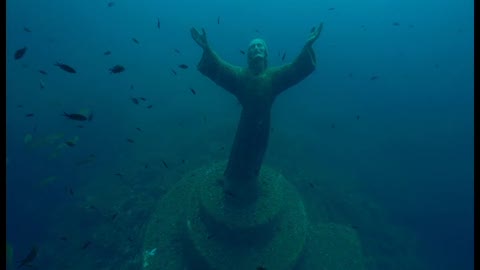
(332, 8)
(135, 40)
(118, 174)
(176, 50)
(139, 129)
(142, 98)
(165, 164)
(358, 117)
(193, 91)
(20, 53)
(65, 67)
(218, 20)
(75, 116)
(130, 140)
(158, 23)
(107, 53)
(29, 258)
(43, 72)
(374, 77)
(86, 245)
(114, 216)
(111, 4)
(174, 72)
(183, 66)
(396, 24)
(26, 29)
(116, 69)
(29, 115)
(283, 57)
(242, 52)
(149, 106)
(134, 100)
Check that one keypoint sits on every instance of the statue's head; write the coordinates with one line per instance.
(257, 52)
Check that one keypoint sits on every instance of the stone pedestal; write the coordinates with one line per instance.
(196, 226)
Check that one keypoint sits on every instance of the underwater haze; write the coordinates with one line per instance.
(106, 110)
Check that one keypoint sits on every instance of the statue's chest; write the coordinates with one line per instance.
(258, 87)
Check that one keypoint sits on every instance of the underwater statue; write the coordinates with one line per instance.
(256, 87)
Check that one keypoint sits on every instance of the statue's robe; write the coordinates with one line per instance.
(256, 94)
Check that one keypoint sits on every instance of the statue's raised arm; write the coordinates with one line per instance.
(211, 65)
(288, 75)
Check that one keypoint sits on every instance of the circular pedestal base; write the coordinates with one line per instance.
(192, 228)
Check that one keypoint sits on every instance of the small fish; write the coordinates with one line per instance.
(358, 117)
(374, 77)
(134, 100)
(43, 72)
(283, 57)
(165, 164)
(230, 193)
(29, 258)
(256, 30)
(107, 53)
(311, 184)
(176, 50)
(218, 20)
(63, 238)
(139, 129)
(42, 84)
(411, 26)
(110, 4)
(396, 24)
(146, 166)
(70, 143)
(20, 53)
(132, 87)
(29, 115)
(116, 69)
(119, 174)
(135, 40)
(85, 246)
(183, 161)
(149, 106)
(142, 98)
(19, 106)
(261, 268)
(312, 30)
(26, 29)
(158, 23)
(183, 66)
(80, 126)
(350, 75)
(242, 52)
(130, 140)
(174, 72)
(193, 91)
(70, 191)
(114, 216)
(65, 67)
(332, 8)
(75, 116)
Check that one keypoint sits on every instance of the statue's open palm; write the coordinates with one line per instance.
(200, 39)
(314, 35)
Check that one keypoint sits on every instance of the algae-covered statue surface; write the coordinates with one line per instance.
(256, 87)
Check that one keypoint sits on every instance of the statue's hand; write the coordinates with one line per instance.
(200, 39)
(314, 35)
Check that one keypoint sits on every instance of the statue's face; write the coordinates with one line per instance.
(257, 49)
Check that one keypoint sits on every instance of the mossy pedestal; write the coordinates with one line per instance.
(196, 227)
